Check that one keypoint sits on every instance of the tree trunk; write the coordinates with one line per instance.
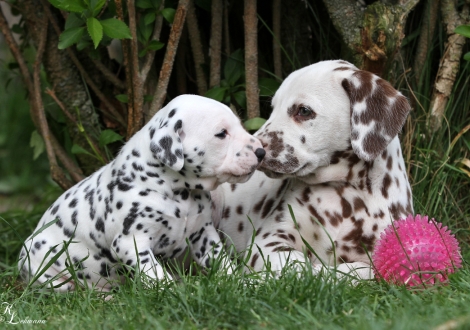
(66, 81)
(216, 43)
(251, 58)
(372, 36)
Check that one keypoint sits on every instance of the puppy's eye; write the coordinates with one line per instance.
(304, 113)
(222, 134)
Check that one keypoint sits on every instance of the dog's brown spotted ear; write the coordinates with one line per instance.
(378, 112)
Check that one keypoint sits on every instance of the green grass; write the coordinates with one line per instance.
(242, 301)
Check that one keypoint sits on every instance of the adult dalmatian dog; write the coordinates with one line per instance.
(333, 155)
(147, 202)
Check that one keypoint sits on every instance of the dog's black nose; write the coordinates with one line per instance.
(260, 153)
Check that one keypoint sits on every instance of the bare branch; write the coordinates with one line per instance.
(251, 58)
(277, 38)
(226, 29)
(56, 172)
(165, 72)
(425, 37)
(126, 53)
(149, 57)
(16, 52)
(196, 45)
(108, 74)
(449, 64)
(215, 43)
(136, 118)
(72, 118)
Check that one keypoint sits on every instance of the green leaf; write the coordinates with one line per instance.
(122, 98)
(116, 29)
(17, 28)
(216, 93)
(466, 57)
(95, 30)
(234, 67)
(254, 124)
(240, 98)
(144, 32)
(76, 6)
(143, 52)
(148, 98)
(37, 143)
(76, 149)
(267, 86)
(169, 14)
(149, 18)
(144, 4)
(155, 45)
(96, 6)
(70, 37)
(84, 43)
(463, 30)
(109, 136)
(204, 4)
(73, 21)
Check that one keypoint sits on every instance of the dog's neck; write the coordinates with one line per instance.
(346, 168)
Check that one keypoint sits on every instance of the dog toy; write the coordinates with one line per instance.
(415, 251)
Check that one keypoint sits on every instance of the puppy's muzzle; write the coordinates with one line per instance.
(260, 153)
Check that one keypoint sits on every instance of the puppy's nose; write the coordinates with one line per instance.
(260, 153)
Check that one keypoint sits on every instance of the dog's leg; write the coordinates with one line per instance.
(206, 246)
(135, 251)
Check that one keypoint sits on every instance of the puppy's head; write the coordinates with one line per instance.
(326, 108)
(202, 139)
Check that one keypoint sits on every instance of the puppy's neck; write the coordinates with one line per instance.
(373, 177)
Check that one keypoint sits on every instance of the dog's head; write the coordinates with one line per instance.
(326, 108)
(202, 139)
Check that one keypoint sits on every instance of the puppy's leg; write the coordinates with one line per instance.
(135, 251)
(205, 245)
(274, 251)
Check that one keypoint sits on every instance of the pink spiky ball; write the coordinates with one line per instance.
(415, 251)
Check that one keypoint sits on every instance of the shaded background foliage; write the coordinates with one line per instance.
(89, 91)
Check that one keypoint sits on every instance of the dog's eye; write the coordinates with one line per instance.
(222, 134)
(304, 111)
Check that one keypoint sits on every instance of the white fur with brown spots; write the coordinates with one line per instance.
(333, 154)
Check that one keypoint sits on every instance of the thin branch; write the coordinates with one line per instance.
(72, 118)
(196, 45)
(113, 113)
(165, 72)
(215, 42)
(226, 29)
(180, 64)
(56, 171)
(149, 57)
(125, 52)
(450, 62)
(251, 58)
(135, 122)
(277, 38)
(75, 172)
(425, 37)
(108, 74)
(16, 52)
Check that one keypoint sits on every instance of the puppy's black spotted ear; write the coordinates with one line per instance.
(166, 140)
(378, 111)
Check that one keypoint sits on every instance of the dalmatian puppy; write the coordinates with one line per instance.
(149, 201)
(333, 155)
